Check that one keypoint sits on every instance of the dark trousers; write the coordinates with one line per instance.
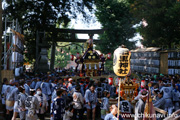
(80, 111)
(49, 107)
(41, 116)
(4, 110)
(10, 115)
(98, 110)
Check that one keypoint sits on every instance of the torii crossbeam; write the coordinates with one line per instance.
(71, 38)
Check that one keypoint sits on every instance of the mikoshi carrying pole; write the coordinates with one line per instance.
(121, 66)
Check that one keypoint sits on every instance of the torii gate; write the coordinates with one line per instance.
(42, 45)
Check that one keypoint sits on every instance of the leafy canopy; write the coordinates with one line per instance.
(116, 18)
(44, 14)
(163, 19)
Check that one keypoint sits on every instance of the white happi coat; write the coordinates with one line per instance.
(43, 100)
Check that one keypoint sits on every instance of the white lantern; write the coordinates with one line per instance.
(121, 61)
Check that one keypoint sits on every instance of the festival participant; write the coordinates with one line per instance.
(68, 114)
(91, 101)
(9, 107)
(154, 88)
(21, 103)
(160, 103)
(58, 107)
(38, 84)
(82, 87)
(60, 83)
(65, 83)
(11, 98)
(140, 105)
(112, 115)
(69, 86)
(141, 88)
(42, 103)
(105, 104)
(176, 97)
(46, 89)
(27, 86)
(112, 89)
(32, 105)
(33, 83)
(105, 85)
(87, 80)
(167, 90)
(3, 92)
(99, 90)
(155, 94)
(78, 102)
(64, 94)
(54, 94)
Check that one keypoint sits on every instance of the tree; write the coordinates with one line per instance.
(116, 19)
(163, 21)
(45, 15)
(63, 52)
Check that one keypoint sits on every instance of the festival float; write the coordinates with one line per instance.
(91, 63)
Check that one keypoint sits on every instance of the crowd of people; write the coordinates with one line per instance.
(34, 97)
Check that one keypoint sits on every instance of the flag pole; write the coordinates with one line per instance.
(119, 95)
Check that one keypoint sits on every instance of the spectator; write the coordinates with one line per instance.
(91, 101)
(112, 114)
(43, 104)
(32, 105)
(78, 102)
(105, 104)
(21, 103)
(58, 107)
(139, 107)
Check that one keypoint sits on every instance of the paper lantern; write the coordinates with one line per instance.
(109, 56)
(110, 81)
(77, 55)
(72, 57)
(121, 61)
(143, 83)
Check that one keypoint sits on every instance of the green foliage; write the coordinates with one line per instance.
(109, 65)
(31, 48)
(45, 14)
(163, 21)
(116, 19)
(63, 58)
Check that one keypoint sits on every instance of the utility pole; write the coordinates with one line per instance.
(0, 40)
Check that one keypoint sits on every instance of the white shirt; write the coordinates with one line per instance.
(44, 103)
(78, 100)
